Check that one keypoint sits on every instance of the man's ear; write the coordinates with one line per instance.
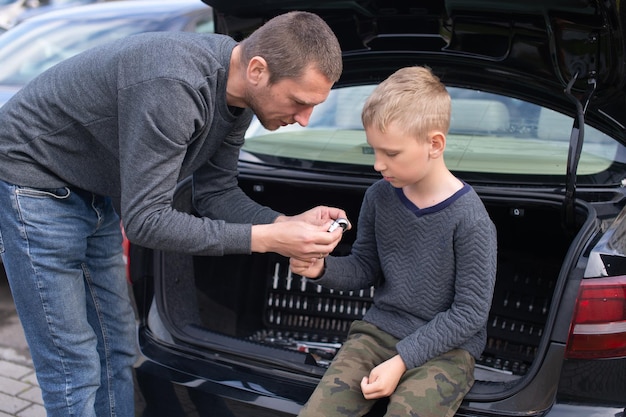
(257, 71)
(437, 144)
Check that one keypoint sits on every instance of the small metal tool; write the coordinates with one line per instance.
(343, 223)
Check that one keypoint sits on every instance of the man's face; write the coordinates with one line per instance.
(288, 101)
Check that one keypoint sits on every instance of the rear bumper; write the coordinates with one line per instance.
(171, 383)
(574, 410)
(170, 386)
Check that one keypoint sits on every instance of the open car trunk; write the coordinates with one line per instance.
(537, 129)
(253, 308)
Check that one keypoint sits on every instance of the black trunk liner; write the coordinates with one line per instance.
(254, 297)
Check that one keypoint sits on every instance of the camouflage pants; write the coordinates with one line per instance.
(433, 389)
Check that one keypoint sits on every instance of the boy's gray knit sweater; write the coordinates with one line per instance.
(130, 119)
(435, 270)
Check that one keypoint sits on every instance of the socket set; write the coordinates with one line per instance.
(518, 315)
(293, 303)
(303, 316)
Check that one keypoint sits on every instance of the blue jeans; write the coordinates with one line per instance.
(62, 251)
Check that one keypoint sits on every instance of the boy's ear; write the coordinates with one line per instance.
(437, 144)
(257, 70)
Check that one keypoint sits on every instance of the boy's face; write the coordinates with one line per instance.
(402, 159)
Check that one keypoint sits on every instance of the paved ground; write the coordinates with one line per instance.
(19, 393)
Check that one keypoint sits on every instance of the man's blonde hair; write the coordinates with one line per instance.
(413, 98)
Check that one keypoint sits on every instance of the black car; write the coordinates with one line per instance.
(538, 129)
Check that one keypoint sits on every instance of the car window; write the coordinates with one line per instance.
(489, 134)
(204, 26)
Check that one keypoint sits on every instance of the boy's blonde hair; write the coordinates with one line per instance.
(413, 98)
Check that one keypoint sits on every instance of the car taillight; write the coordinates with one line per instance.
(598, 329)
(126, 250)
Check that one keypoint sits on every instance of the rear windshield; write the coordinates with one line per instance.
(491, 137)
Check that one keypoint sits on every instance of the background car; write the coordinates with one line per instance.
(42, 41)
(537, 129)
(10, 9)
(14, 11)
(45, 6)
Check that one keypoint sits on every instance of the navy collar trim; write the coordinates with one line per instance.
(432, 209)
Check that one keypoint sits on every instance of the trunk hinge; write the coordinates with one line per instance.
(575, 148)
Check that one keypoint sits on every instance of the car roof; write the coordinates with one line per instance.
(531, 49)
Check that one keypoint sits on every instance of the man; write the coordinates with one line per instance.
(113, 130)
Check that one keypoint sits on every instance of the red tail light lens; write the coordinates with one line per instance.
(126, 249)
(598, 329)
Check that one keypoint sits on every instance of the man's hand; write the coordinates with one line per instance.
(295, 239)
(383, 379)
(318, 216)
(304, 236)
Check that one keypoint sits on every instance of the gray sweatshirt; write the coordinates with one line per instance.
(434, 268)
(129, 120)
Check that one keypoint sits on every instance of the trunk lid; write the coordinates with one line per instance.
(564, 54)
(550, 45)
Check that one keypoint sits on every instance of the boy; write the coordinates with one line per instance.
(426, 241)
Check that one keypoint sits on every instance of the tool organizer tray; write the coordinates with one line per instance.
(301, 315)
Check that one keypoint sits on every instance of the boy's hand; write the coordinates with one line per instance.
(310, 268)
(383, 379)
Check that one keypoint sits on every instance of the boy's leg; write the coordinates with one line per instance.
(434, 389)
(339, 391)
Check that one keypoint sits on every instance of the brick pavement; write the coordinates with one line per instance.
(20, 395)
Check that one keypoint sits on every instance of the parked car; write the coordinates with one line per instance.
(45, 6)
(45, 40)
(538, 129)
(10, 9)
(14, 11)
